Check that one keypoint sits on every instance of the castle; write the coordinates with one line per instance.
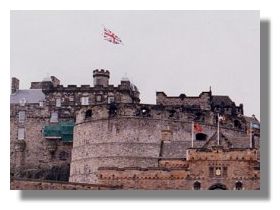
(102, 134)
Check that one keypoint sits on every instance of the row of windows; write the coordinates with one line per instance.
(85, 100)
(23, 101)
(22, 117)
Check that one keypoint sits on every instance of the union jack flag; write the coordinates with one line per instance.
(111, 37)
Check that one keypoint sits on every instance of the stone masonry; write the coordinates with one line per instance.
(102, 134)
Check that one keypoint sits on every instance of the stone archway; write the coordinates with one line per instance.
(218, 186)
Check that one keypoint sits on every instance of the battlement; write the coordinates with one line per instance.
(101, 77)
(202, 101)
(117, 140)
(159, 112)
(101, 72)
(220, 154)
(138, 173)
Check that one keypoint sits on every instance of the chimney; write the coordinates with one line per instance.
(15, 85)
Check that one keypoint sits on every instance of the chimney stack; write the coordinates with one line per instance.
(15, 85)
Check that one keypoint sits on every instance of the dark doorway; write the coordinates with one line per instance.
(196, 185)
(238, 185)
(218, 186)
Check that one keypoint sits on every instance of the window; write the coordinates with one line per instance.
(200, 136)
(112, 110)
(238, 185)
(145, 112)
(88, 114)
(237, 124)
(21, 116)
(21, 133)
(84, 101)
(54, 117)
(58, 102)
(41, 104)
(111, 99)
(196, 185)
(98, 98)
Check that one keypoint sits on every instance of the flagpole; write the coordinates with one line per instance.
(218, 132)
(192, 133)
(251, 136)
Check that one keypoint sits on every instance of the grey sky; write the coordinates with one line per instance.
(171, 51)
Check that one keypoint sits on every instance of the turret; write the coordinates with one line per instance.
(15, 85)
(46, 84)
(101, 77)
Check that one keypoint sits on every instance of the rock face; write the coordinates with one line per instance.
(103, 134)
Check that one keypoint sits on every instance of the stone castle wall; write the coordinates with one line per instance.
(21, 184)
(117, 140)
(202, 101)
(241, 166)
(34, 156)
(130, 140)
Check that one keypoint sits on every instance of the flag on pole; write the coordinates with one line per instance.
(111, 37)
(220, 118)
(197, 128)
(251, 135)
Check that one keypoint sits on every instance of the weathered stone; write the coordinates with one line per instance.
(117, 140)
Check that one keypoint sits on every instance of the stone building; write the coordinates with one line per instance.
(102, 134)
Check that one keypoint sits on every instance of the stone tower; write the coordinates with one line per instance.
(101, 77)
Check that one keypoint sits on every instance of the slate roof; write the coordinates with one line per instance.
(228, 142)
(218, 100)
(30, 95)
(251, 119)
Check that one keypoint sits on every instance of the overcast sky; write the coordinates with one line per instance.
(171, 51)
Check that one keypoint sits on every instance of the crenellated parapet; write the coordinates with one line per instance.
(161, 113)
(221, 154)
(104, 135)
(205, 101)
(101, 77)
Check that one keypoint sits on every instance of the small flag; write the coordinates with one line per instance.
(197, 128)
(111, 37)
(221, 118)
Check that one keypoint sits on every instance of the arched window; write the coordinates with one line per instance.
(113, 109)
(238, 185)
(196, 185)
(201, 137)
(88, 114)
(237, 124)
